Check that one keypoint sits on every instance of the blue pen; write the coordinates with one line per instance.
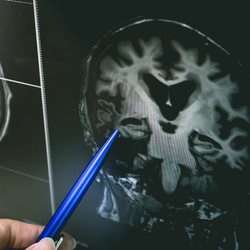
(70, 202)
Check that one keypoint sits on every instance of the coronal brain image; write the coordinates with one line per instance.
(179, 101)
(5, 96)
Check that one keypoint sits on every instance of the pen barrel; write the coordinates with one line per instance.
(69, 204)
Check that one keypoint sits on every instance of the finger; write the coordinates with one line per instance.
(16, 234)
(44, 244)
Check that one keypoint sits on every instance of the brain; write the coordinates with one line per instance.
(141, 85)
(175, 94)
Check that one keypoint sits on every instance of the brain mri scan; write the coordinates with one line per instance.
(179, 100)
(5, 96)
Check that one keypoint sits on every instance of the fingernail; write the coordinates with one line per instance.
(75, 243)
(42, 244)
(50, 240)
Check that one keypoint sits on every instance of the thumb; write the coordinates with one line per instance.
(44, 244)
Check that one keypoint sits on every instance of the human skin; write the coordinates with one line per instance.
(20, 235)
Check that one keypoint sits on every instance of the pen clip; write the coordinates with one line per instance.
(59, 241)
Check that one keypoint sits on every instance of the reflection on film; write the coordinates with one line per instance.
(5, 96)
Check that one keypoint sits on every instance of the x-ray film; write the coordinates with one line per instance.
(178, 99)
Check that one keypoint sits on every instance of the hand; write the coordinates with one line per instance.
(16, 234)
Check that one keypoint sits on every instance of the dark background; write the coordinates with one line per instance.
(24, 184)
(68, 31)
